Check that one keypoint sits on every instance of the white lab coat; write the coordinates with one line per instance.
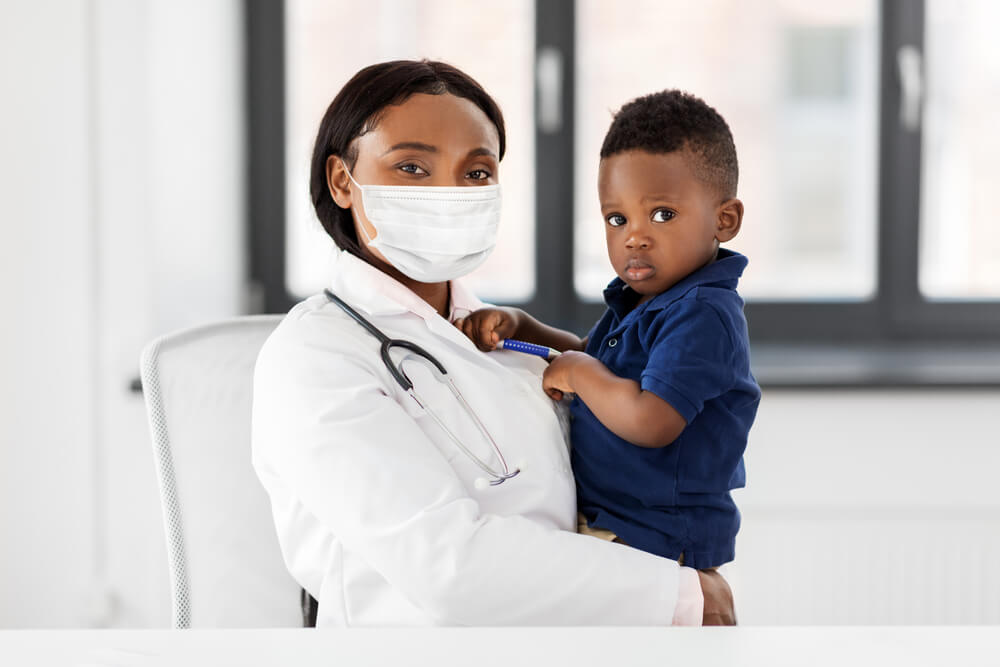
(377, 511)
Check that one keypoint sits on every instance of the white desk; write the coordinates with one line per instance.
(514, 647)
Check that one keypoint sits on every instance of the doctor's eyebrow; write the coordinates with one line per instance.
(476, 152)
(427, 148)
(412, 145)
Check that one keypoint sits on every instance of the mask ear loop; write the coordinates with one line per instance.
(361, 188)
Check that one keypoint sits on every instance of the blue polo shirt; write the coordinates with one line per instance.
(689, 346)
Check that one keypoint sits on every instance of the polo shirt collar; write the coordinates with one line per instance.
(723, 272)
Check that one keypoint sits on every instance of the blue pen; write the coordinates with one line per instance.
(528, 348)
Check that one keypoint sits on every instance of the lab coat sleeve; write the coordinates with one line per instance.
(326, 424)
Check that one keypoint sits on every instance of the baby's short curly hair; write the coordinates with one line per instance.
(673, 120)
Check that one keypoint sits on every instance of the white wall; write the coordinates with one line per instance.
(122, 214)
(48, 403)
(873, 507)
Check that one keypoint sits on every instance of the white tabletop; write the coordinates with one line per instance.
(510, 647)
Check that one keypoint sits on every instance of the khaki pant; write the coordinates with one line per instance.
(584, 528)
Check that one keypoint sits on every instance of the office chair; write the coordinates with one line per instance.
(226, 569)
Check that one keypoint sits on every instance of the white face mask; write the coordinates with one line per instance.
(432, 234)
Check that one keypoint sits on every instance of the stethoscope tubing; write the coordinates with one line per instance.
(385, 345)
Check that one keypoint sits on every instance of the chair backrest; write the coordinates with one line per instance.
(226, 568)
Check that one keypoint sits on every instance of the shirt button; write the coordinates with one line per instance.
(612, 342)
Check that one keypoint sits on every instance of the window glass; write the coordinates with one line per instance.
(327, 42)
(959, 245)
(797, 83)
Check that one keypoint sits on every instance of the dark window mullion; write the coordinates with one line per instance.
(264, 50)
(899, 171)
(555, 35)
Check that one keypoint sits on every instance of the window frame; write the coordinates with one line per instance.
(897, 313)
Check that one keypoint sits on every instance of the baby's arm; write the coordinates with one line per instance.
(638, 416)
(488, 326)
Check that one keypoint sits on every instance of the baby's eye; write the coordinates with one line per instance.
(478, 175)
(663, 215)
(414, 169)
(616, 220)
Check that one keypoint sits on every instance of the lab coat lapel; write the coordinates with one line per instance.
(378, 295)
(369, 290)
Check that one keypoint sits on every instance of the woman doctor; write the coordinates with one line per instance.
(394, 512)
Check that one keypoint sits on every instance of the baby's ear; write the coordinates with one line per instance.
(338, 181)
(729, 218)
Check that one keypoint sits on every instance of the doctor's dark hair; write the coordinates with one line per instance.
(356, 111)
(673, 120)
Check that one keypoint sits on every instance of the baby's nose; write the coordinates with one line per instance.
(637, 241)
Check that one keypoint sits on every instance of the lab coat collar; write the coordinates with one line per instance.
(376, 293)
(463, 301)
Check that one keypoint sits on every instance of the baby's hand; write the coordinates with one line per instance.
(557, 378)
(488, 326)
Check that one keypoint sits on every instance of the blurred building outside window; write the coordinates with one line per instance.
(797, 83)
(327, 42)
(959, 243)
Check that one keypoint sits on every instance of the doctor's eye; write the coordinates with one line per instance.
(663, 215)
(478, 175)
(616, 219)
(413, 169)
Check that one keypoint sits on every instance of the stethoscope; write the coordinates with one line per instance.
(397, 372)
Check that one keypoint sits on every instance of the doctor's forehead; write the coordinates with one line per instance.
(432, 123)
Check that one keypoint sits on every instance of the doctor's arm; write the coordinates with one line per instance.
(358, 462)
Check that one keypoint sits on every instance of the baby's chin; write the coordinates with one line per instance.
(646, 289)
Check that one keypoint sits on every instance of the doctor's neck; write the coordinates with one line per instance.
(437, 295)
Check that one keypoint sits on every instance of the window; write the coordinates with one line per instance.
(796, 82)
(472, 35)
(865, 132)
(959, 246)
